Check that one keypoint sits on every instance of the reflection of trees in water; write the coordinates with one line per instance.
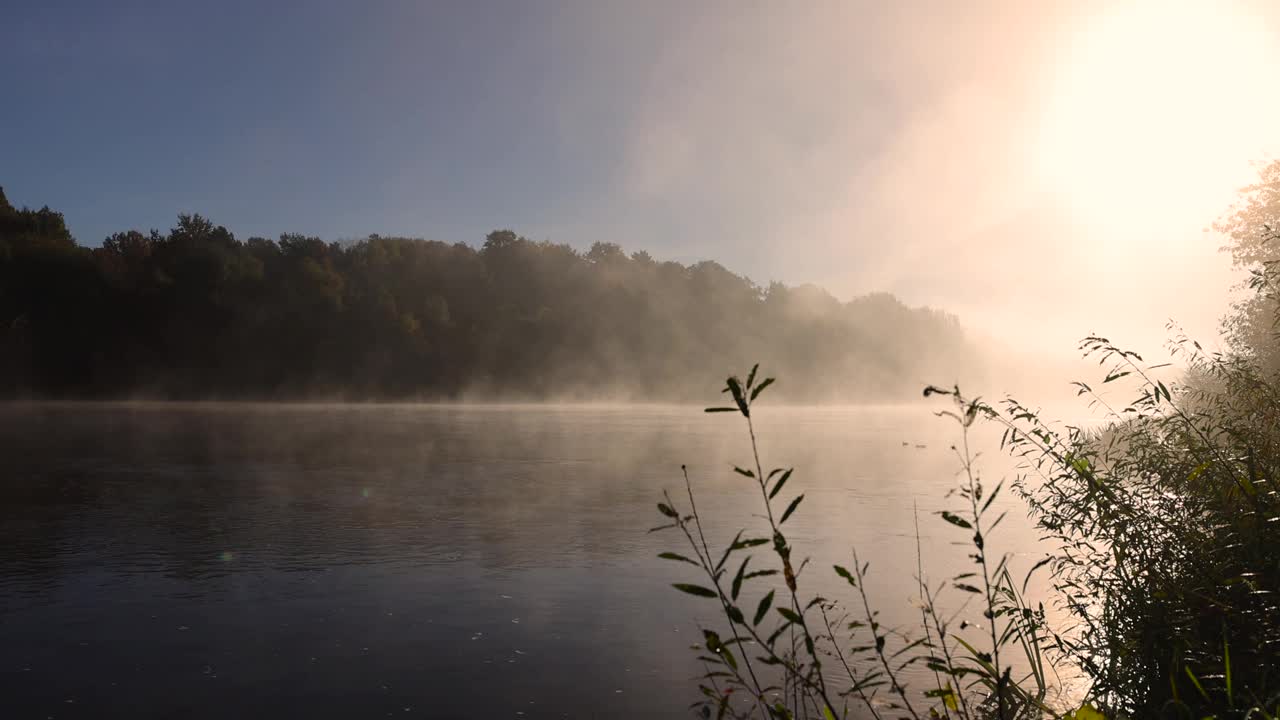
(202, 493)
(334, 517)
(196, 493)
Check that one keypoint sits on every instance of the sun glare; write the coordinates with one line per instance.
(1157, 109)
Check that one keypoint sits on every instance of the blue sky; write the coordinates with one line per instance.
(328, 118)
(861, 145)
(443, 120)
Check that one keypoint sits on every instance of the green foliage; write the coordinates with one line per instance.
(196, 312)
(1252, 229)
(1164, 526)
(1165, 559)
(1166, 523)
(782, 672)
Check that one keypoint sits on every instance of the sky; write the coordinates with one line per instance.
(1042, 169)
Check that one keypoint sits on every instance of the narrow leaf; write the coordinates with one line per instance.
(737, 579)
(846, 575)
(777, 487)
(991, 499)
(735, 387)
(762, 608)
(729, 550)
(675, 556)
(790, 509)
(697, 590)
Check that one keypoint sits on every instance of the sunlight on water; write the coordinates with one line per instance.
(499, 547)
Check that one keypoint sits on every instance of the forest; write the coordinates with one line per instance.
(196, 313)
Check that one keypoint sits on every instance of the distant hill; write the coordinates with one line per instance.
(197, 313)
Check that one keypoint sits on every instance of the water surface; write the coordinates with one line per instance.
(211, 561)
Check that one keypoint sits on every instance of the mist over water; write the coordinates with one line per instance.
(381, 424)
(418, 561)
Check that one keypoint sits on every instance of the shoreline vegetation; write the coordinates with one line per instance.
(1163, 529)
(196, 313)
(1163, 523)
(1165, 563)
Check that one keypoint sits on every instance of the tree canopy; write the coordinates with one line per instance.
(198, 313)
(1252, 230)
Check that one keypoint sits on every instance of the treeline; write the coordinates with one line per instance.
(197, 313)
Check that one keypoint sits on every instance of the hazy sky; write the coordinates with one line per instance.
(1035, 167)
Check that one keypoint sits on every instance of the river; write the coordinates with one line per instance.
(224, 560)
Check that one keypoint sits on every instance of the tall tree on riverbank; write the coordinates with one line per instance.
(1252, 229)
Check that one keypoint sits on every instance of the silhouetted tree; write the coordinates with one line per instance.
(195, 312)
(1252, 229)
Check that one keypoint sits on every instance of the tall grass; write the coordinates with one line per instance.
(1165, 564)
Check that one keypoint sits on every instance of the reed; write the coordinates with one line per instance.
(1164, 561)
